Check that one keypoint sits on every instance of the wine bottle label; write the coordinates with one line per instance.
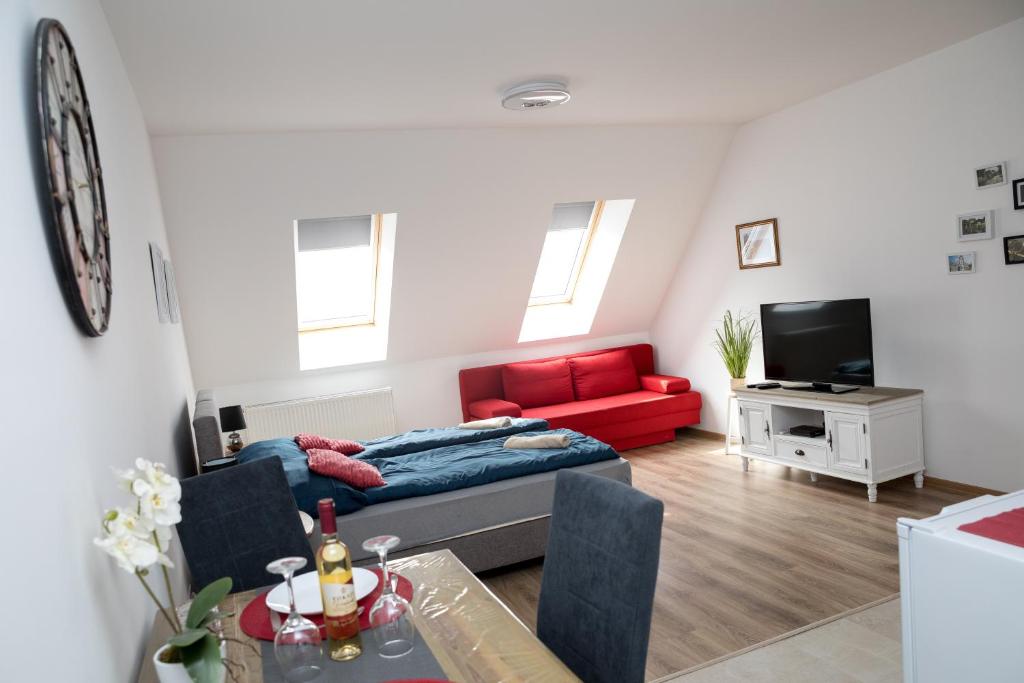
(339, 598)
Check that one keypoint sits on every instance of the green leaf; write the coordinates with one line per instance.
(206, 600)
(202, 660)
(734, 342)
(186, 638)
(212, 617)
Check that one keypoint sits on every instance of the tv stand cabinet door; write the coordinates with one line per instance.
(755, 427)
(847, 445)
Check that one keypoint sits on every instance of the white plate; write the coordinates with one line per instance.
(307, 592)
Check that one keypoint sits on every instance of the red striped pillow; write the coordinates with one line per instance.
(343, 446)
(355, 473)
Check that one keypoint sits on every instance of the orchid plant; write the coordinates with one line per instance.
(138, 538)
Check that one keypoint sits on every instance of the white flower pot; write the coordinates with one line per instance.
(177, 673)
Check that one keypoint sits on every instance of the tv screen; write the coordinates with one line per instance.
(818, 341)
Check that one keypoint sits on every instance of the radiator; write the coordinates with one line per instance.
(361, 415)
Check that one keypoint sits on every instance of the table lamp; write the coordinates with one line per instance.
(232, 419)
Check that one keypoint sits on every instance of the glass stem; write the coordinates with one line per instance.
(383, 553)
(291, 593)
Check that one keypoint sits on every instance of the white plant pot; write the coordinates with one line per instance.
(177, 673)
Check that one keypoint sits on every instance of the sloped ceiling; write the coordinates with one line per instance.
(473, 207)
(260, 65)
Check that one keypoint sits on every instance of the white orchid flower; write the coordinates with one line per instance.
(125, 478)
(155, 474)
(124, 522)
(154, 504)
(131, 552)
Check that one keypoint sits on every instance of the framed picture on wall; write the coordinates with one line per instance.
(964, 263)
(975, 226)
(990, 175)
(156, 259)
(757, 244)
(1018, 194)
(1013, 250)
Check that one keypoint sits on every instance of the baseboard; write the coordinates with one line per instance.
(703, 434)
(958, 487)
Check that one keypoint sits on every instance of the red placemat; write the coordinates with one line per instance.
(1007, 527)
(255, 618)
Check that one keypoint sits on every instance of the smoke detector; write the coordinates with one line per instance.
(535, 95)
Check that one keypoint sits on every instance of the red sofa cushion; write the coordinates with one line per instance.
(599, 412)
(494, 407)
(537, 384)
(603, 374)
(666, 384)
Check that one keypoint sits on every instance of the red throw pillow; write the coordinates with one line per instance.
(355, 473)
(545, 383)
(603, 374)
(343, 446)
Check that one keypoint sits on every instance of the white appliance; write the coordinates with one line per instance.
(962, 597)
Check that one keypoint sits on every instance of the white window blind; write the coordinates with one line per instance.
(562, 255)
(335, 271)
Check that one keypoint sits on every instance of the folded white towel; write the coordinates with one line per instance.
(491, 423)
(539, 441)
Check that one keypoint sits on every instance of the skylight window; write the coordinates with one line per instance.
(336, 271)
(565, 249)
(343, 274)
(579, 251)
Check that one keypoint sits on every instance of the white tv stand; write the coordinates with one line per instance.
(872, 435)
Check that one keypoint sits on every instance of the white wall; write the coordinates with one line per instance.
(866, 182)
(74, 407)
(473, 207)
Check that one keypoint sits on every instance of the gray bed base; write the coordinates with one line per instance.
(488, 526)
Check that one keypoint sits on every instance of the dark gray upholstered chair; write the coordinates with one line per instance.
(597, 591)
(236, 520)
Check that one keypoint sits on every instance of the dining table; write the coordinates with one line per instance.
(471, 634)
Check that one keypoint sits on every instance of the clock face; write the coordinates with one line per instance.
(75, 179)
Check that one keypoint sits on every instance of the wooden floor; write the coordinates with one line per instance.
(749, 556)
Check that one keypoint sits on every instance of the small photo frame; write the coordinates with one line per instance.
(1013, 250)
(156, 259)
(978, 225)
(1018, 194)
(172, 293)
(990, 175)
(964, 263)
(757, 244)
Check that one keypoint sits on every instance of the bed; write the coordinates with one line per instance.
(449, 488)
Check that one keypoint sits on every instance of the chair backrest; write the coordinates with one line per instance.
(601, 567)
(236, 520)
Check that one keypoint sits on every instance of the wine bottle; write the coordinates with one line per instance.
(337, 588)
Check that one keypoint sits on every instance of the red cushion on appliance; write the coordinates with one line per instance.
(343, 446)
(537, 384)
(603, 374)
(494, 407)
(355, 473)
(665, 384)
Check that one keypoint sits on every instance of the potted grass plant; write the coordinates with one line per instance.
(734, 340)
(138, 537)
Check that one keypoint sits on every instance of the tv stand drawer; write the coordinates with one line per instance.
(800, 452)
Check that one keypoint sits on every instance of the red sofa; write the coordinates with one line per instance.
(612, 395)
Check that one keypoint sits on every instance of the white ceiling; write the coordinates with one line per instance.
(202, 66)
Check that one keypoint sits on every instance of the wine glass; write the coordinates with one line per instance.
(297, 643)
(391, 614)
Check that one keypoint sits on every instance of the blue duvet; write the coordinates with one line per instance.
(425, 439)
(425, 472)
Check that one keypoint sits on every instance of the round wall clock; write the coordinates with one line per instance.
(74, 179)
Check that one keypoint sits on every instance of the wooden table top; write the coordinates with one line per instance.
(473, 635)
(864, 396)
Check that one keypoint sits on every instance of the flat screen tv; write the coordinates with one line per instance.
(821, 342)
